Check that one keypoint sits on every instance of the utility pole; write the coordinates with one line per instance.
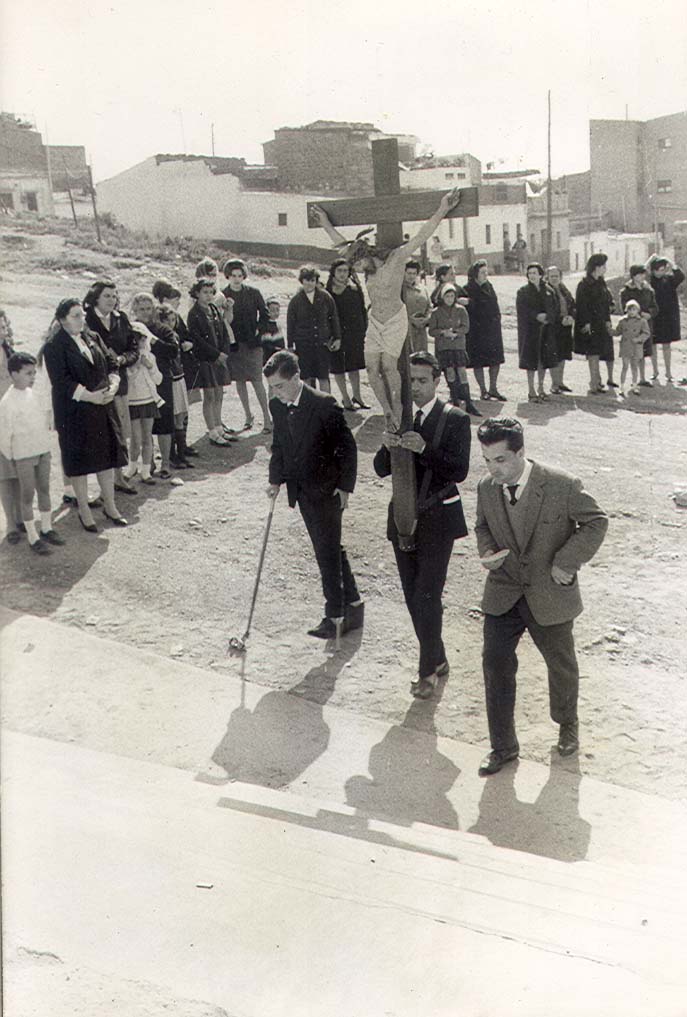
(549, 215)
(69, 191)
(95, 207)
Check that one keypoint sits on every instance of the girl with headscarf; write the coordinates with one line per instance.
(538, 311)
(485, 339)
(349, 359)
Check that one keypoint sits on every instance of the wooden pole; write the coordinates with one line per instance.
(549, 196)
(95, 207)
(69, 191)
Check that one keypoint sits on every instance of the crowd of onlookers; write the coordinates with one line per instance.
(120, 378)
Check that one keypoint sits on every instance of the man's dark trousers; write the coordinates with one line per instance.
(322, 518)
(423, 575)
(502, 634)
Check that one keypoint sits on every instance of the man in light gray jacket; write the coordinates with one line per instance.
(535, 527)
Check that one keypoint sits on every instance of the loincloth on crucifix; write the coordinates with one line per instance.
(383, 346)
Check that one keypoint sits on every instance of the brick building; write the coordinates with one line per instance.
(329, 157)
(639, 172)
(24, 178)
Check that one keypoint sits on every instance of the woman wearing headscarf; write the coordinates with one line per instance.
(349, 359)
(564, 327)
(538, 311)
(665, 277)
(485, 339)
(593, 336)
(85, 378)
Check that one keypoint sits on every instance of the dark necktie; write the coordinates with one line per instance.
(417, 421)
(512, 488)
(291, 412)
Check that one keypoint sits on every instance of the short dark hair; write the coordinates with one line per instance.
(424, 359)
(65, 306)
(659, 263)
(163, 290)
(232, 263)
(538, 266)
(441, 270)
(273, 300)
(200, 284)
(16, 361)
(496, 429)
(283, 362)
(596, 261)
(637, 270)
(95, 292)
(308, 272)
(414, 263)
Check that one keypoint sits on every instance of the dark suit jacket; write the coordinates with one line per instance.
(312, 323)
(320, 456)
(565, 527)
(449, 465)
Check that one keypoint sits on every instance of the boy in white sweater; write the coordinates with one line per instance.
(24, 438)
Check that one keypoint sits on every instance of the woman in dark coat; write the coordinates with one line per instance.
(312, 328)
(564, 327)
(349, 359)
(593, 336)
(250, 323)
(538, 311)
(84, 378)
(113, 327)
(169, 298)
(211, 345)
(665, 279)
(485, 340)
(638, 288)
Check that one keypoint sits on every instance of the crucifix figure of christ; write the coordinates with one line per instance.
(383, 264)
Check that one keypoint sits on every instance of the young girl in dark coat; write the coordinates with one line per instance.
(448, 326)
(168, 296)
(211, 344)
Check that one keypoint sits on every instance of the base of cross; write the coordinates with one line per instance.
(403, 481)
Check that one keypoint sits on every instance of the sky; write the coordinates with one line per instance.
(130, 78)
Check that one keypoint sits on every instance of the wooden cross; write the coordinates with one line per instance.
(389, 209)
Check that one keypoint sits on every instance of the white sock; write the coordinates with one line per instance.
(46, 522)
(132, 469)
(145, 471)
(31, 531)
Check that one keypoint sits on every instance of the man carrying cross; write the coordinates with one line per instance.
(388, 319)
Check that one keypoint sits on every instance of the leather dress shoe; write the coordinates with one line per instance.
(325, 630)
(354, 616)
(496, 760)
(424, 688)
(568, 739)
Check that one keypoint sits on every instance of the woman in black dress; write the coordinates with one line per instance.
(485, 339)
(593, 334)
(84, 378)
(665, 279)
(538, 311)
(105, 319)
(564, 327)
(349, 359)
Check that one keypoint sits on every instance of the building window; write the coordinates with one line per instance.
(533, 242)
(449, 176)
(518, 230)
(662, 229)
(487, 238)
(500, 193)
(558, 240)
(451, 226)
(665, 143)
(31, 199)
(664, 186)
(282, 219)
(577, 262)
(6, 200)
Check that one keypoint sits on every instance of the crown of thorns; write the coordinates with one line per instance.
(355, 250)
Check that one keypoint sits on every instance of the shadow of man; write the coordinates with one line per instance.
(409, 779)
(551, 826)
(286, 732)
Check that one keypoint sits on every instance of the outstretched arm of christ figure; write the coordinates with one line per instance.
(449, 201)
(325, 222)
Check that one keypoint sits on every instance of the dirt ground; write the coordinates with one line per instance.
(178, 580)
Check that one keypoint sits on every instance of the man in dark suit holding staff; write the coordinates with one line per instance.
(440, 440)
(315, 455)
(536, 526)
